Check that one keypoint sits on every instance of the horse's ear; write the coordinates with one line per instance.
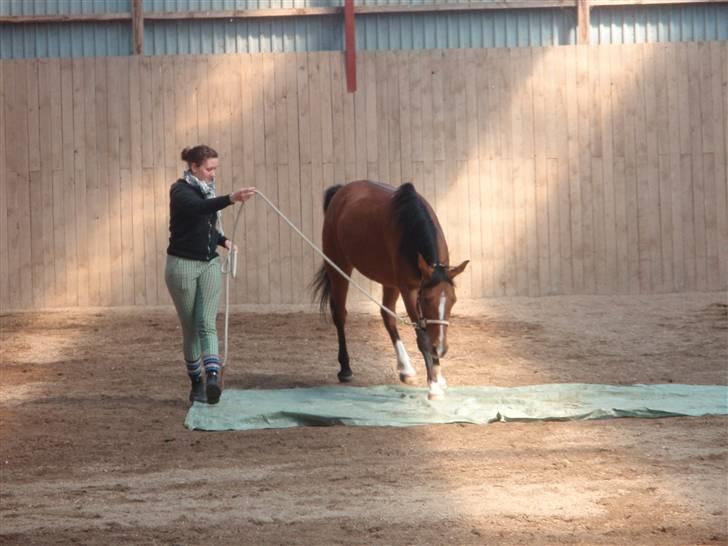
(455, 271)
(425, 269)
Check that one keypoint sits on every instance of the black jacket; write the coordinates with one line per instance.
(192, 219)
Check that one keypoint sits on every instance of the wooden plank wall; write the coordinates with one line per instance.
(565, 170)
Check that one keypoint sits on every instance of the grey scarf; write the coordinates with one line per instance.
(208, 190)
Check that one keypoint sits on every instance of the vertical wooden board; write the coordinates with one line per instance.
(360, 125)
(585, 169)
(400, 87)
(383, 114)
(350, 126)
(673, 97)
(33, 240)
(597, 136)
(300, 198)
(621, 88)
(150, 243)
(19, 186)
(420, 126)
(52, 163)
(137, 179)
(643, 208)
(474, 254)
(271, 180)
(438, 65)
(486, 225)
(319, 98)
(67, 205)
(34, 183)
(553, 170)
(707, 113)
(327, 177)
(113, 120)
(649, 75)
(236, 179)
(696, 151)
(482, 82)
(79, 116)
(92, 225)
(392, 113)
(554, 173)
(610, 109)
(687, 170)
(541, 174)
(572, 181)
(121, 112)
(422, 120)
(32, 113)
(247, 242)
(154, 151)
(719, 69)
(665, 225)
(630, 169)
(283, 170)
(202, 96)
(562, 188)
(260, 175)
(103, 236)
(373, 130)
(496, 226)
(337, 117)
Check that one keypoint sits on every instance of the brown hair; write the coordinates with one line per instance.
(197, 154)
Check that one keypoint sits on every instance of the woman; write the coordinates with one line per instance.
(193, 265)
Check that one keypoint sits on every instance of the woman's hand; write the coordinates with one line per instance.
(230, 245)
(242, 195)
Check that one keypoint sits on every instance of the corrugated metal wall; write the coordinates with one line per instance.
(502, 28)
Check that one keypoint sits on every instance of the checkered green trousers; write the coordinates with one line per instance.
(195, 289)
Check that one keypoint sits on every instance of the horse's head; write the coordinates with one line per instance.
(435, 299)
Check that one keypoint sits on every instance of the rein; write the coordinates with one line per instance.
(229, 268)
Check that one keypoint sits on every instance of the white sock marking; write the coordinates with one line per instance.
(404, 366)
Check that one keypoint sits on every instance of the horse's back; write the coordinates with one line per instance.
(359, 228)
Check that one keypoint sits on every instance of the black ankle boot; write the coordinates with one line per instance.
(213, 388)
(197, 392)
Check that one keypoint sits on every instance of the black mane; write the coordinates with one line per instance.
(419, 235)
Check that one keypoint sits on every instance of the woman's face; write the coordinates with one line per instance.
(205, 171)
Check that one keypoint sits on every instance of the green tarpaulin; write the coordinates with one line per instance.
(400, 406)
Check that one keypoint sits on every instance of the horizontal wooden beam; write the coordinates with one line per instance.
(78, 18)
(243, 13)
(310, 12)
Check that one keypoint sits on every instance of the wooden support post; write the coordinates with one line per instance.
(583, 20)
(350, 39)
(137, 23)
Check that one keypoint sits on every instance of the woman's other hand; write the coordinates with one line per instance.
(242, 195)
(230, 245)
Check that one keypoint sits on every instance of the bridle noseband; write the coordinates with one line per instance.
(423, 322)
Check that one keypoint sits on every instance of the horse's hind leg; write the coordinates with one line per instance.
(404, 366)
(339, 289)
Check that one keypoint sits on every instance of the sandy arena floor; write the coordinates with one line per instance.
(93, 450)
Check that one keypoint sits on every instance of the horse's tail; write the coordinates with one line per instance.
(329, 194)
(321, 286)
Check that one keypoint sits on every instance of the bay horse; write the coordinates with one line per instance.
(392, 237)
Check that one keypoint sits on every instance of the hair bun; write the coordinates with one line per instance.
(185, 153)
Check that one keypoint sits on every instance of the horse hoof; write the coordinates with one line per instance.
(345, 377)
(435, 396)
(408, 379)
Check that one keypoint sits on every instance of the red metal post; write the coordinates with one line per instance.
(350, 42)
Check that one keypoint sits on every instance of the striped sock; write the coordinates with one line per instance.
(212, 364)
(194, 369)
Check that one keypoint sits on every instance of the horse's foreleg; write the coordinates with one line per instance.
(424, 344)
(339, 289)
(404, 366)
